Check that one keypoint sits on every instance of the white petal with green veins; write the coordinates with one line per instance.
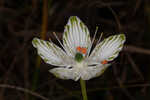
(75, 34)
(93, 71)
(50, 53)
(65, 73)
(108, 49)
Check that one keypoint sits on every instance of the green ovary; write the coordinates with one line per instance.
(79, 57)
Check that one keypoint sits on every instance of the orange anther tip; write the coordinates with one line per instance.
(81, 50)
(84, 50)
(78, 48)
(104, 62)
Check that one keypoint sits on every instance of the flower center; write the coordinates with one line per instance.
(79, 57)
(81, 50)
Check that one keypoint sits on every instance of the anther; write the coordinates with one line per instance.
(104, 62)
(83, 50)
(78, 49)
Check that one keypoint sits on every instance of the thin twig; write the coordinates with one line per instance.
(120, 83)
(23, 90)
(134, 66)
(135, 49)
(114, 87)
(119, 26)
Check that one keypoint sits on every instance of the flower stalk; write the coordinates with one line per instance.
(83, 89)
(43, 35)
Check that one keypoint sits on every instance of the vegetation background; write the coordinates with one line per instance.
(23, 76)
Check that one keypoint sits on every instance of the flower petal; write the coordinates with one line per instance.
(75, 34)
(108, 49)
(93, 71)
(50, 53)
(65, 73)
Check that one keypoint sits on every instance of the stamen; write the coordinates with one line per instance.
(104, 62)
(92, 40)
(58, 40)
(56, 52)
(78, 49)
(61, 43)
(99, 38)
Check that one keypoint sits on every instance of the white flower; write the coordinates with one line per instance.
(75, 60)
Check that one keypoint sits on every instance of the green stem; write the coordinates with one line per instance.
(83, 89)
(43, 35)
